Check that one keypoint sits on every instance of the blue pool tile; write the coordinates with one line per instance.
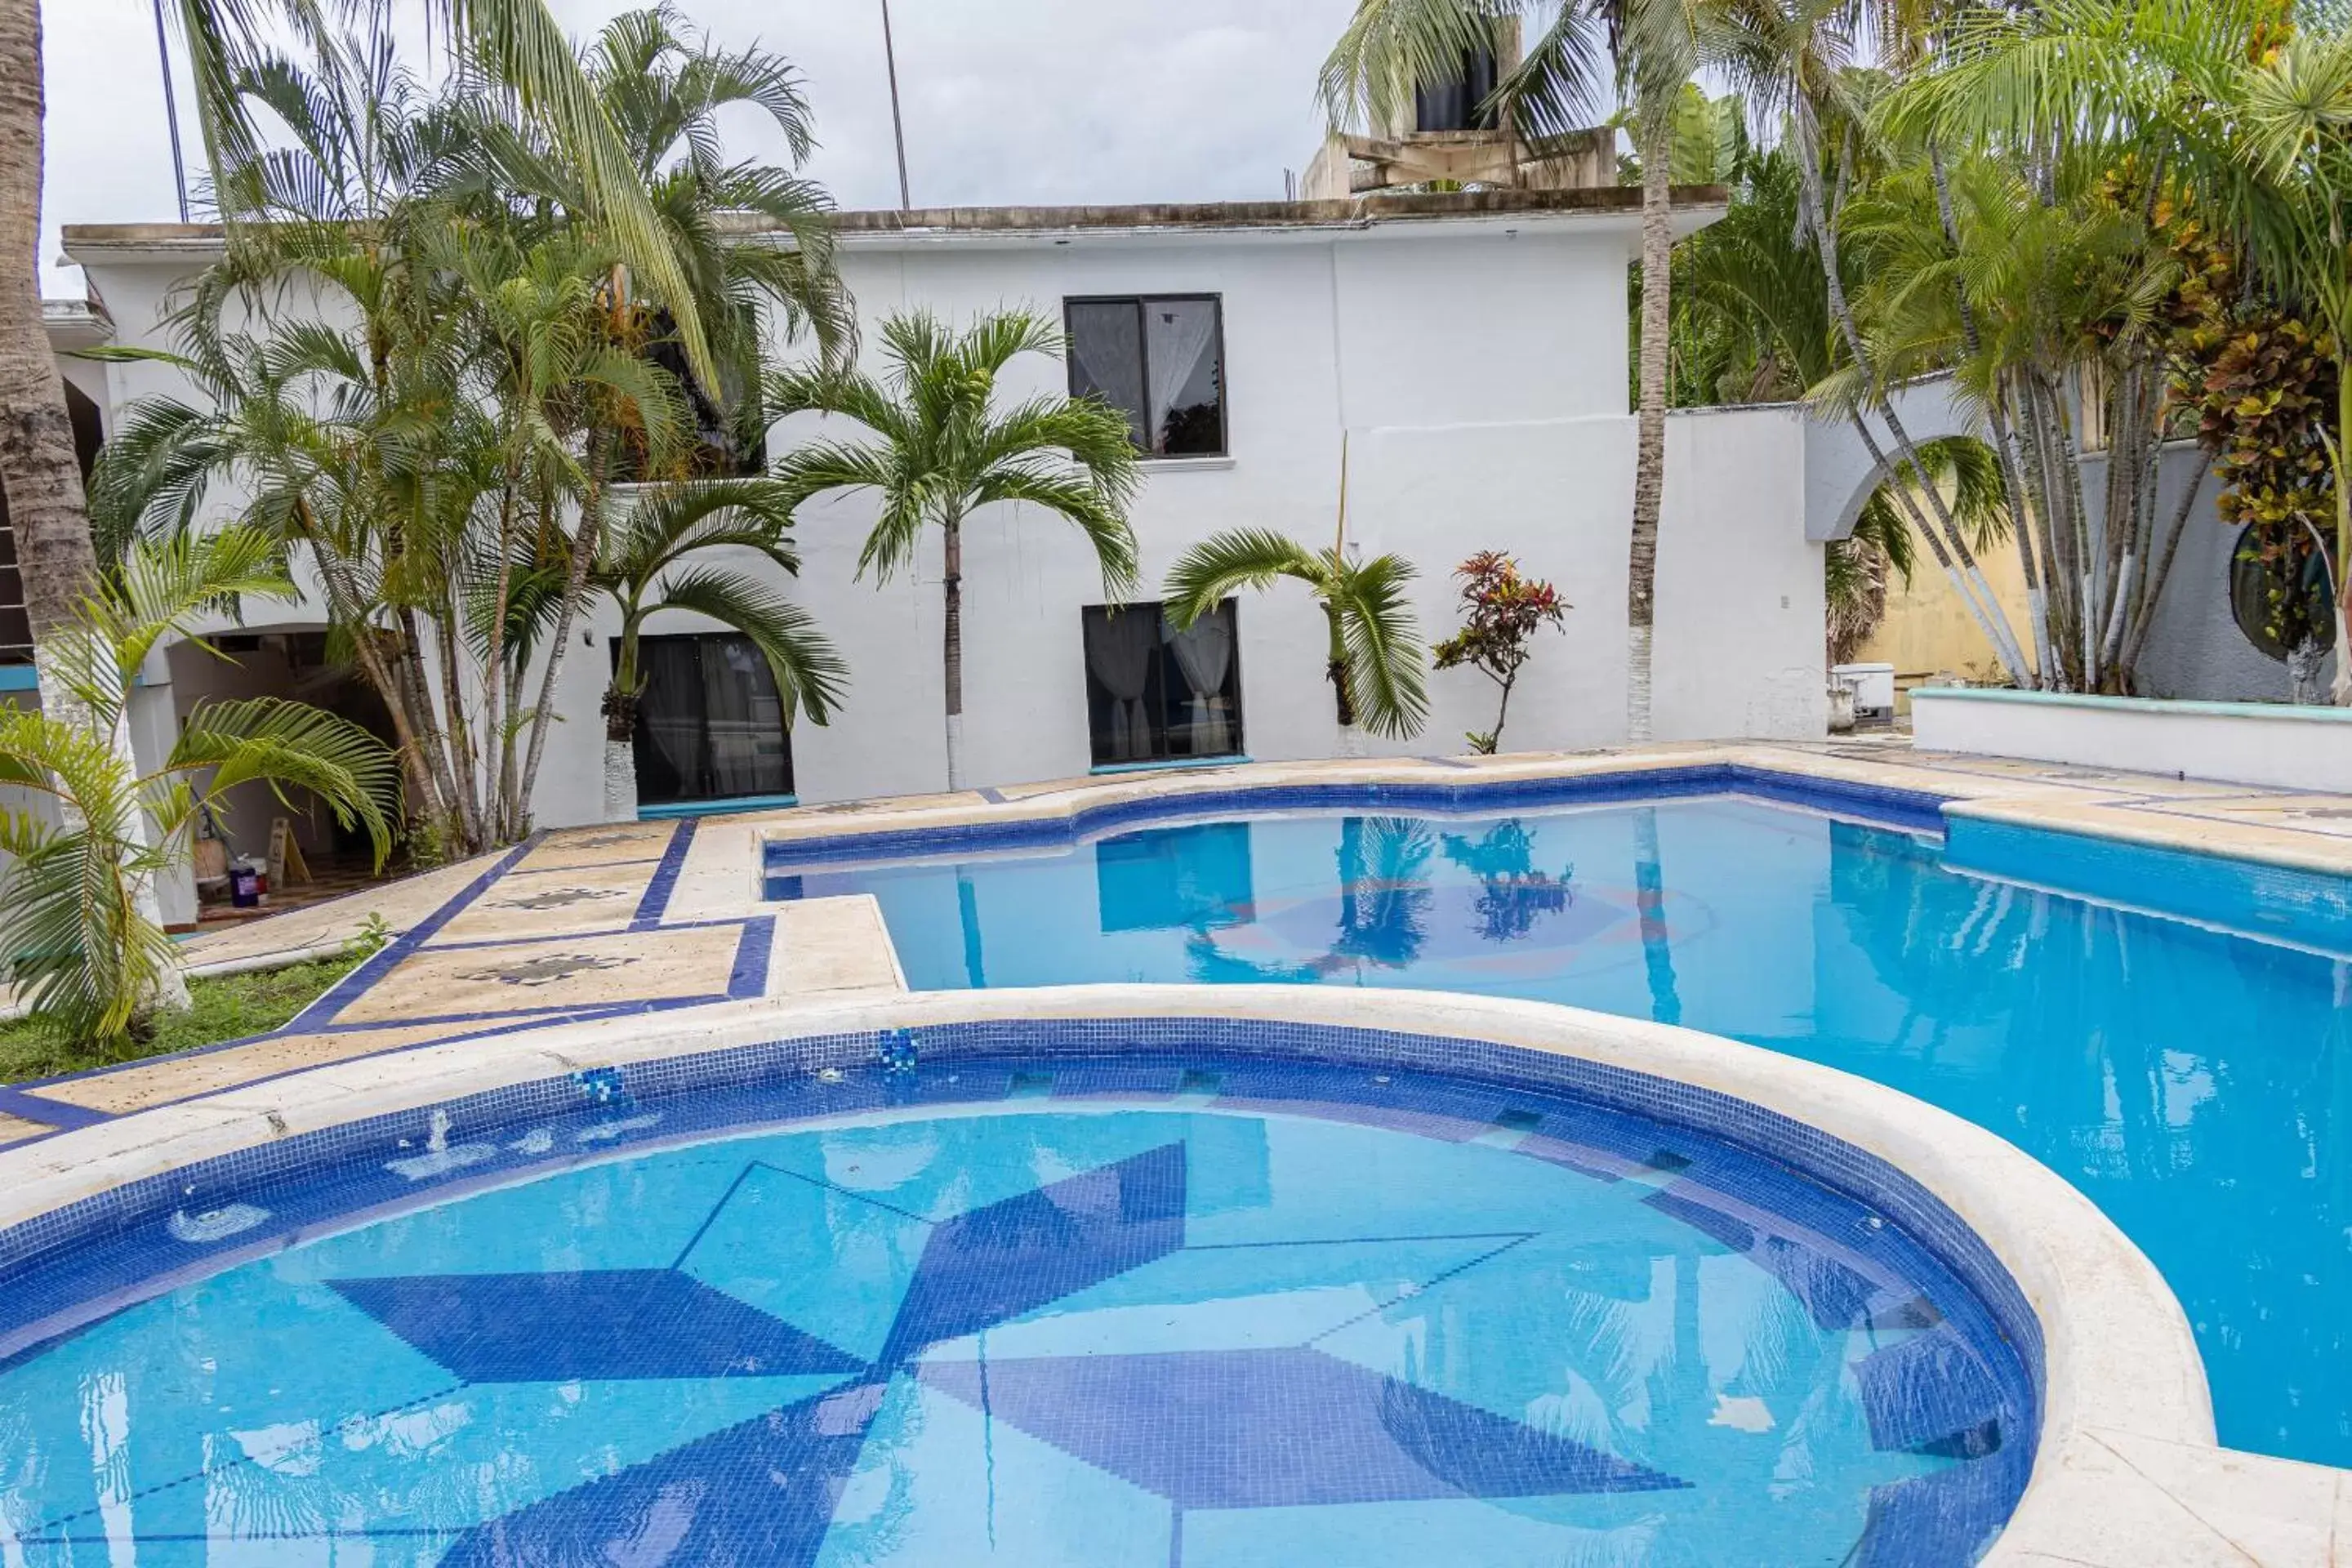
(1279, 1428)
(1928, 1391)
(1009, 1258)
(608, 1325)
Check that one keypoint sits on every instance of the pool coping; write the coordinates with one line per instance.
(2123, 1393)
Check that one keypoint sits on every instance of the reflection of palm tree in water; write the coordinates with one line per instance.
(1650, 900)
(1512, 891)
(1385, 899)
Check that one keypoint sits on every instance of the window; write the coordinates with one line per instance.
(15, 631)
(709, 725)
(1461, 103)
(1162, 361)
(1155, 694)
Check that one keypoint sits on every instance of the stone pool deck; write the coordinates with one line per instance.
(604, 924)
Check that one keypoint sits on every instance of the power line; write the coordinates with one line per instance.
(171, 111)
(898, 124)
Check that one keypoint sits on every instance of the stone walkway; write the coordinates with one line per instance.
(608, 922)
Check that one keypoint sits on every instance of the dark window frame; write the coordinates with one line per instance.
(1237, 718)
(701, 641)
(1143, 345)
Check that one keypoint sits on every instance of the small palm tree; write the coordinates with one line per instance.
(946, 451)
(1376, 657)
(644, 569)
(75, 936)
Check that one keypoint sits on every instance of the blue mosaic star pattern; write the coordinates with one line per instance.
(1225, 1328)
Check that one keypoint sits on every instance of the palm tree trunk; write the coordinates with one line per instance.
(620, 728)
(2342, 692)
(39, 470)
(1343, 688)
(584, 546)
(952, 651)
(1650, 909)
(1649, 424)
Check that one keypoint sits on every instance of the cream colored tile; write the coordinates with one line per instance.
(831, 945)
(588, 971)
(2279, 1514)
(136, 1087)
(15, 1129)
(600, 847)
(589, 898)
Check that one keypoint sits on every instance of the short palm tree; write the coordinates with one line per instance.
(946, 451)
(76, 936)
(646, 568)
(1376, 660)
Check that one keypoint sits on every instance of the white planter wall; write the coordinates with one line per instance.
(2240, 742)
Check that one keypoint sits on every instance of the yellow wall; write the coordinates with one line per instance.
(1929, 630)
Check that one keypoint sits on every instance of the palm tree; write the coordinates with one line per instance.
(1392, 47)
(1375, 660)
(946, 451)
(80, 938)
(645, 569)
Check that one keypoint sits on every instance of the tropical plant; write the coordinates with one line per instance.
(1391, 49)
(492, 362)
(1375, 656)
(1502, 613)
(946, 450)
(80, 942)
(649, 564)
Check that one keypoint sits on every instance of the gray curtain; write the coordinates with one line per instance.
(670, 754)
(1205, 655)
(746, 720)
(1118, 654)
(1107, 342)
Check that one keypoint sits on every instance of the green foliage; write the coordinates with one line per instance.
(222, 1008)
(77, 938)
(946, 449)
(1375, 662)
(1502, 612)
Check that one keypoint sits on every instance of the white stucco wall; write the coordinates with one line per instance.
(1479, 378)
(2272, 744)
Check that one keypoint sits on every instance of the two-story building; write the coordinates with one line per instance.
(1467, 352)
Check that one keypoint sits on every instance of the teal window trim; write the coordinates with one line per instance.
(734, 808)
(18, 678)
(1109, 768)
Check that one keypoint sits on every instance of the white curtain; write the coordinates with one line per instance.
(1118, 654)
(1180, 331)
(1109, 351)
(1205, 655)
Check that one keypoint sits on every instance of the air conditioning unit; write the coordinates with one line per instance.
(1873, 686)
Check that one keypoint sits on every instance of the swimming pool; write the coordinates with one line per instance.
(1173, 1306)
(2196, 1084)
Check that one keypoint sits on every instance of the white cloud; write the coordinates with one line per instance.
(1037, 101)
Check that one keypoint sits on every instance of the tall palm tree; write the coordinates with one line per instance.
(76, 937)
(1375, 660)
(648, 566)
(946, 450)
(1392, 47)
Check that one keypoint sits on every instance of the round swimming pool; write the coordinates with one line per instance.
(1170, 1306)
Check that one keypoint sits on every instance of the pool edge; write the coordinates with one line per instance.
(2119, 1365)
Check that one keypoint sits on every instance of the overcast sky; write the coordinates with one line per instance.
(1006, 101)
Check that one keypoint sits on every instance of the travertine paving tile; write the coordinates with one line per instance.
(621, 843)
(584, 899)
(135, 1088)
(544, 976)
(15, 1129)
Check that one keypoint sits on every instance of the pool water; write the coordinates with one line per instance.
(1201, 1313)
(2195, 1085)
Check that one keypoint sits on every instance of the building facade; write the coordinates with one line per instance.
(1467, 353)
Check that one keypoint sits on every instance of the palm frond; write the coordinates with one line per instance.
(292, 745)
(1386, 662)
(1222, 564)
(810, 677)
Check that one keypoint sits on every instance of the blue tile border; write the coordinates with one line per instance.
(1893, 807)
(655, 902)
(360, 981)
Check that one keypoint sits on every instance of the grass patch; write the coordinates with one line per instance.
(227, 1007)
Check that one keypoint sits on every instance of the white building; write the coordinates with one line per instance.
(1470, 350)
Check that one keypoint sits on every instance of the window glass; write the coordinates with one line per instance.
(1156, 694)
(1187, 397)
(1161, 361)
(1107, 358)
(710, 725)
